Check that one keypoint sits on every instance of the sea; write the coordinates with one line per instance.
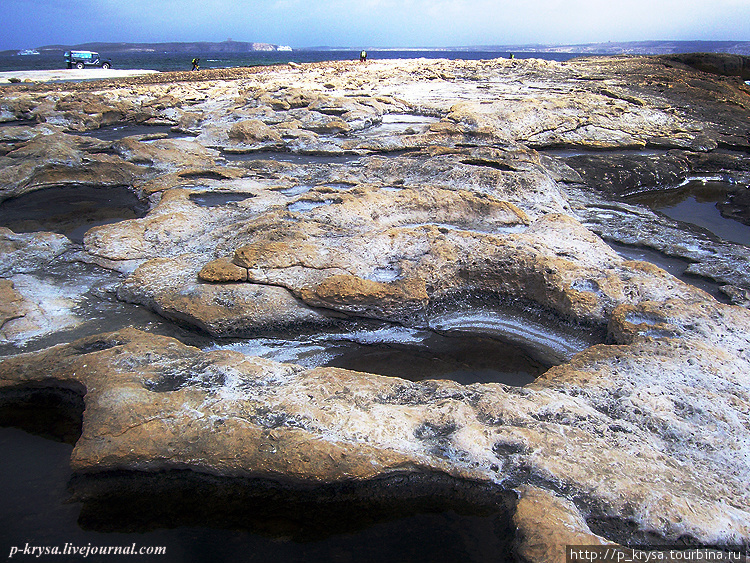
(166, 61)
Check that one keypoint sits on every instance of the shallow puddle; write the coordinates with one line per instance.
(204, 521)
(672, 264)
(706, 215)
(406, 353)
(400, 124)
(217, 199)
(122, 130)
(70, 210)
(302, 206)
(584, 151)
(696, 203)
(300, 189)
(461, 359)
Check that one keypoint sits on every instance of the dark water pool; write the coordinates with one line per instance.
(122, 130)
(463, 359)
(18, 123)
(217, 199)
(34, 478)
(70, 210)
(672, 264)
(705, 214)
(401, 352)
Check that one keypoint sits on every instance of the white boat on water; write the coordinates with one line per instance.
(26, 52)
(283, 48)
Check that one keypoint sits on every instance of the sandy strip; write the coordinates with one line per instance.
(69, 74)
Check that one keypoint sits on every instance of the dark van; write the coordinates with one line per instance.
(82, 59)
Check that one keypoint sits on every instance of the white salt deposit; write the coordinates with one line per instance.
(69, 74)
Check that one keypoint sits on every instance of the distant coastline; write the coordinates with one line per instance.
(229, 46)
(170, 47)
(609, 48)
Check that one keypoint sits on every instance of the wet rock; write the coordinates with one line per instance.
(737, 295)
(737, 204)
(32, 306)
(37, 307)
(25, 252)
(638, 226)
(622, 174)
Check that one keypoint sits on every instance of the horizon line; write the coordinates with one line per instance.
(500, 46)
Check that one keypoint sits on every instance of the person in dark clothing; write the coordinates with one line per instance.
(195, 63)
(363, 56)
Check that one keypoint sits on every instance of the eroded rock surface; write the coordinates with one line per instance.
(664, 453)
(447, 196)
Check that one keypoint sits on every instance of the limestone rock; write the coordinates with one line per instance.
(10, 304)
(222, 270)
(25, 252)
(168, 155)
(431, 194)
(253, 131)
(547, 524)
(626, 446)
(54, 158)
(170, 286)
(717, 63)
(400, 300)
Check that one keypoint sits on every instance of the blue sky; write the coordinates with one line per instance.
(371, 23)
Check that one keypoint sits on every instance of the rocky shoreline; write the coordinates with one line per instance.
(422, 197)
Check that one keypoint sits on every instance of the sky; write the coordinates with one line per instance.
(371, 23)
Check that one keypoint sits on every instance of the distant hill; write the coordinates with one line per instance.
(610, 48)
(176, 47)
(645, 47)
